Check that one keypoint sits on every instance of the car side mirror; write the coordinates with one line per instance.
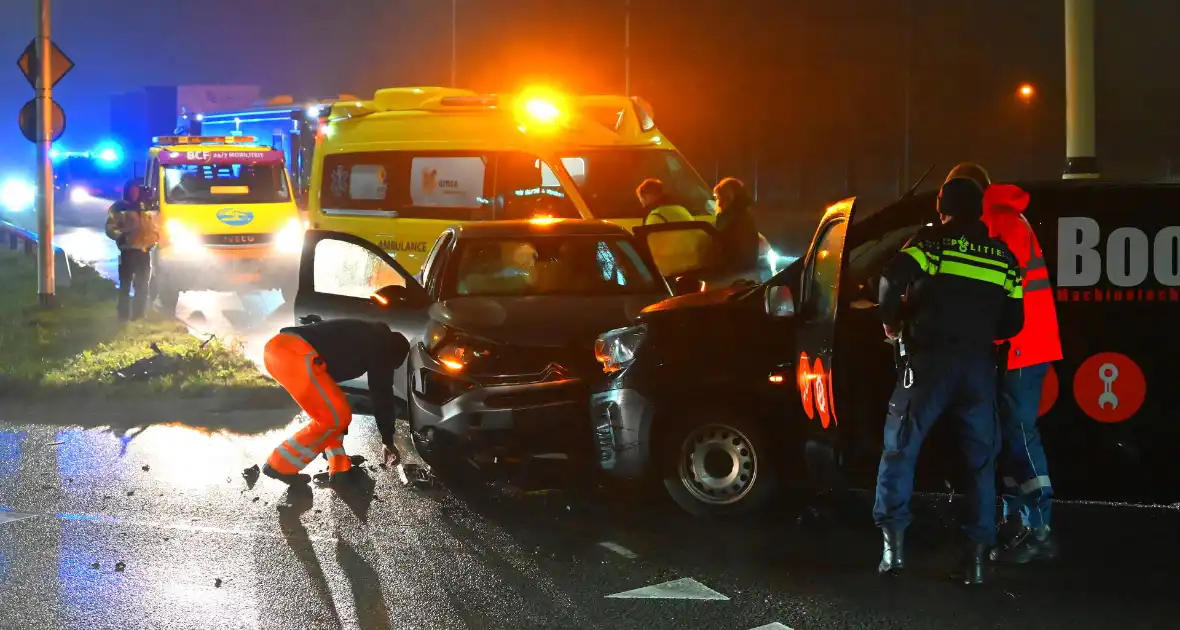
(780, 302)
(393, 296)
(684, 285)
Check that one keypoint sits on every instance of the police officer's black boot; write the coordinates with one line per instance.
(969, 568)
(1029, 545)
(893, 551)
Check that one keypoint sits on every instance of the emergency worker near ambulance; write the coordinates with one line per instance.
(1028, 494)
(946, 298)
(659, 208)
(309, 361)
(135, 231)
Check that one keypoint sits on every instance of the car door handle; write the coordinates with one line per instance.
(310, 319)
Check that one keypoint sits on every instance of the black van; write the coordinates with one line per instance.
(726, 394)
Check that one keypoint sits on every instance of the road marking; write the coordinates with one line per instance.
(7, 517)
(684, 588)
(773, 626)
(619, 549)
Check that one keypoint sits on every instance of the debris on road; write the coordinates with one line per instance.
(145, 468)
(217, 583)
(119, 566)
(130, 493)
(159, 364)
(256, 499)
(251, 475)
(414, 474)
(95, 565)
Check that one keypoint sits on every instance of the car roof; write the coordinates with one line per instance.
(534, 227)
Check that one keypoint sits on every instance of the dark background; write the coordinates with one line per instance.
(802, 97)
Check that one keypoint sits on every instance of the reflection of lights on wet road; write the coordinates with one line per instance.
(183, 457)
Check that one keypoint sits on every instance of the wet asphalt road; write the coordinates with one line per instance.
(157, 529)
(151, 525)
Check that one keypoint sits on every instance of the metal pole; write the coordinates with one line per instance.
(905, 151)
(627, 48)
(1081, 161)
(44, 94)
(454, 42)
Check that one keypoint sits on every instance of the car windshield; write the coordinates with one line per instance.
(195, 184)
(608, 178)
(550, 265)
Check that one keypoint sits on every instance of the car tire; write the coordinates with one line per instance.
(714, 463)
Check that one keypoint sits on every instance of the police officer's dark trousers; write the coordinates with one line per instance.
(961, 385)
(135, 271)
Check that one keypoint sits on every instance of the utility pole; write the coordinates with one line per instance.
(44, 93)
(627, 47)
(905, 150)
(454, 42)
(1081, 161)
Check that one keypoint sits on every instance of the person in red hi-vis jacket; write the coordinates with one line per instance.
(1028, 494)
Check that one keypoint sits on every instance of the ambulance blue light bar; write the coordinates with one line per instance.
(179, 140)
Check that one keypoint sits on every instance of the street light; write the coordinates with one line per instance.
(1026, 92)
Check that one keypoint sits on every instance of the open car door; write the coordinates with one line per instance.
(688, 253)
(815, 328)
(343, 276)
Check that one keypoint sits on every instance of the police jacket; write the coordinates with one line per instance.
(351, 348)
(1039, 341)
(961, 289)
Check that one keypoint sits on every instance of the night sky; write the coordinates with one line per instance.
(807, 94)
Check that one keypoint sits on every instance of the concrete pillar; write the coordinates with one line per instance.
(1081, 161)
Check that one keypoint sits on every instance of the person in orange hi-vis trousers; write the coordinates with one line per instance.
(309, 361)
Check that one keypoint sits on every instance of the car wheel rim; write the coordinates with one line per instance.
(718, 464)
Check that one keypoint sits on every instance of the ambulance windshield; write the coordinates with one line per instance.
(197, 184)
(607, 179)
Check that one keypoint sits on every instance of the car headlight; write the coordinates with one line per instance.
(451, 348)
(18, 195)
(79, 195)
(182, 239)
(615, 349)
(289, 240)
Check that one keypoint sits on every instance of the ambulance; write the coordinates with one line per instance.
(229, 216)
(402, 167)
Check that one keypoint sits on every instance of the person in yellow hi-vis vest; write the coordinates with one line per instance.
(659, 208)
(136, 231)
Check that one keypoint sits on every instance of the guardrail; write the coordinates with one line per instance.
(18, 238)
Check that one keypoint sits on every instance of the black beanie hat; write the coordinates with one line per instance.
(961, 198)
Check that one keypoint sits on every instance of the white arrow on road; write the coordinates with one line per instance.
(7, 517)
(684, 588)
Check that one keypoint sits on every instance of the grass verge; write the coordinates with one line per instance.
(79, 346)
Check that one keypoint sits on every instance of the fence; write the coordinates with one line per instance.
(19, 238)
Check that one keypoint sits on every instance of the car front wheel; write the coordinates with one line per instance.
(719, 464)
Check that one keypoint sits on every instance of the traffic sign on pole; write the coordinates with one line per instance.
(30, 64)
(28, 121)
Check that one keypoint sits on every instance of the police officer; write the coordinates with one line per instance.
(946, 298)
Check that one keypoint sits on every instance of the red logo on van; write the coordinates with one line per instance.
(1109, 387)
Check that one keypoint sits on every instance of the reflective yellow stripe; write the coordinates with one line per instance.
(974, 272)
(1016, 292)
(920, 257)
(976, 259)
